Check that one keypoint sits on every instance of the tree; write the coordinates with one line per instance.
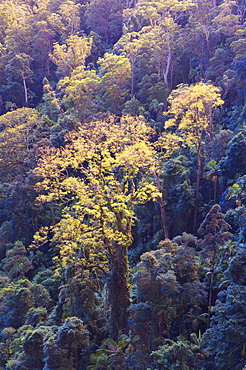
(70, 12)
(158, 22)
(109, 166)
(233, 164)
(51, 105)
(80, 93)
(42, 45)
(192, 109)
(18, 136)
(162, 44)
(166, 287)
(15, 27)
(211, 27)
(17, 298)
(177, 193)
(200, 27)
(166, 144)
(226, 23)
(115, 80)
(72, 54)
(215, 231)
(63, 347)
(212, 173)
(239, 45)
(174, 355)
(130, 44)
(105, 18)
(7, 18)
(16, 262)
(19, 67)
(224, 341)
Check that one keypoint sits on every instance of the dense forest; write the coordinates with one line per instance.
(122, 184)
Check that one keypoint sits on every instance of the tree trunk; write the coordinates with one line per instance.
(207, 35)
(210, 296)
(132, 59)
(162, 204)
(210, 128)
(169, 59)
(119, 295)
(25, 88)
(132, 81)
(198, 179)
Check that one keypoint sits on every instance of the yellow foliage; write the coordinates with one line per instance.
(17, 137)
(72, 54)
(191, 110)
(103, 173)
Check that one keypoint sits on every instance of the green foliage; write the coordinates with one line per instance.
(71, 55)
(17, 298)
(19, 68)
(234, 163)
(5, 233)
(16, 262)
(174, 356)
(132, 107)
(111, 355)
(225, 339)
(50, 282)
(50, 106)
(80, 93)
(36, 316)
(61, 348)
(167, 286)
(187, 240)
(21, 131)
(236, 193)
(215, 231)
(177, 189)
(48, 346)
(214, 224)
(237, 267)
(114, 84)
(159, 92)
(236, 118)
(236, 217)
(16, 346)
(105, 18)
(219, 144)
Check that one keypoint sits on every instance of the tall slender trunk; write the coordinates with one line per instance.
(198, 179)
(169, 59)
(162, 205)
(132, 59)
(119, 295)
(210, 128)
(25, 88)
(212, 277)
(132, 82)
(217, 191)
(207, 37)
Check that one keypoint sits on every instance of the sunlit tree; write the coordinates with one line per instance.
(115, 81)
(101, 175)
(72, 54)
(18, 136)
(191, 111)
